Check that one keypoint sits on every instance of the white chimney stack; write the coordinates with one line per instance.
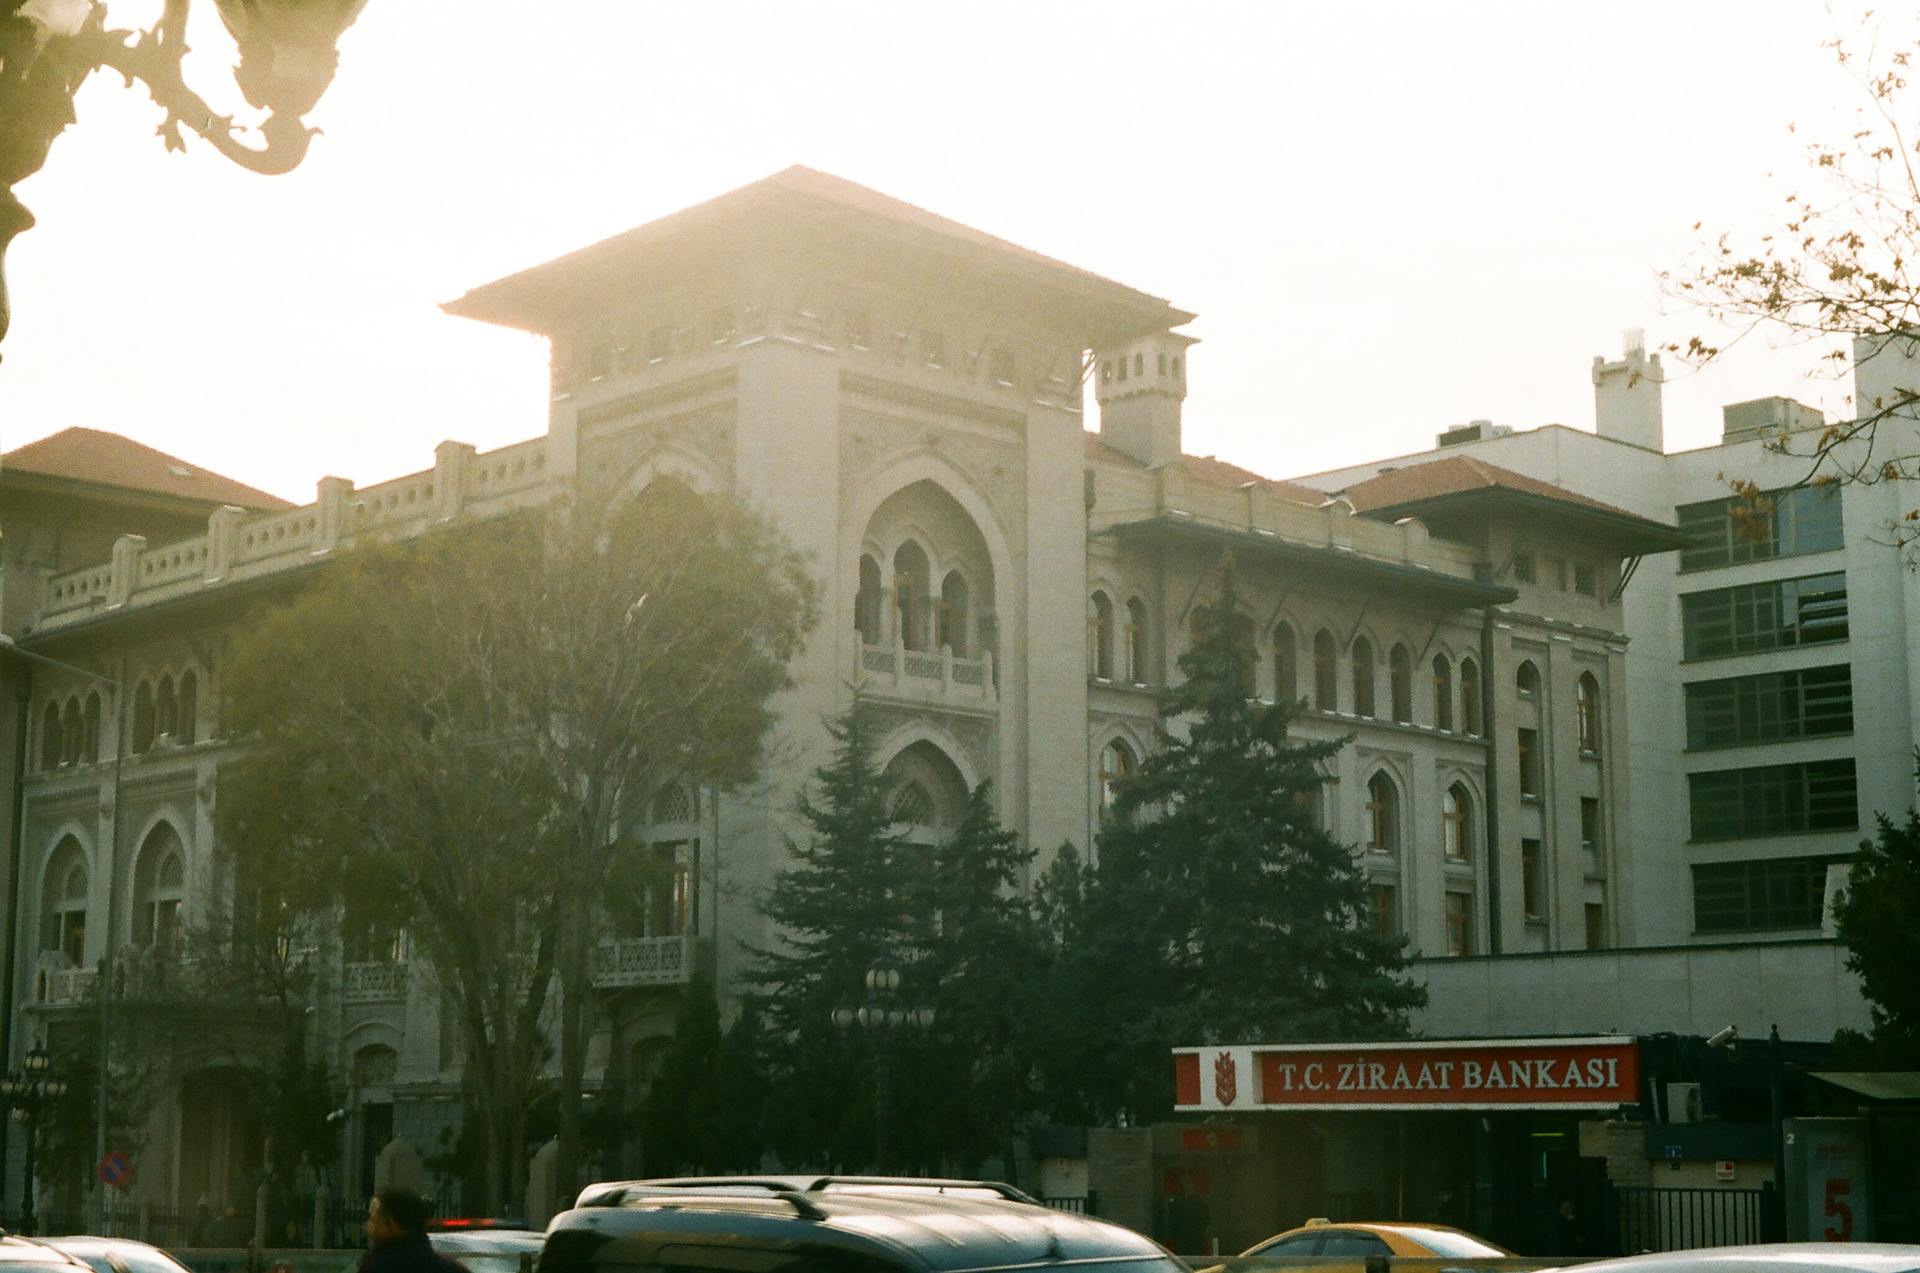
(1626, 396)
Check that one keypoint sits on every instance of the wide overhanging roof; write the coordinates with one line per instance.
(1883, 1086)
(1632, 534)
(825, 224)
(1318, 558)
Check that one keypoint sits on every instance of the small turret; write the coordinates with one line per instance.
(1140, 385)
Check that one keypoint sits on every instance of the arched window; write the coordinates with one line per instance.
(64, 903)
(1469, 698)
(674, 804)
(1442, 693)
(1100, 636)
(159, 890)
(1363, 677)
(1117, 764)
(1456, 823)
(1137, 641)
(189, 696)
(910, 598)
(1286, 671)
(1586, 701)
(1383, 815)
(51, 742)
(72, 733)
(913, 805)
(1526, 679)
(166, 710)
(143, 717)
(953, 617)
(1312, 802)
(867, 602)
(90, 749)
(1326, 676)
(1400, 682)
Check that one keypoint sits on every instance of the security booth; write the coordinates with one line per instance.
(1482, 1133)
(1851, 1171)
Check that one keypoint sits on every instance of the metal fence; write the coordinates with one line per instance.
(1663, 1219)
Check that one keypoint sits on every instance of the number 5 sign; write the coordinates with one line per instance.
(1829, 1180)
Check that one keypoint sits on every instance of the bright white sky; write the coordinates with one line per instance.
(1391, 218)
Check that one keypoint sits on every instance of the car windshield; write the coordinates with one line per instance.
(1461, 1245)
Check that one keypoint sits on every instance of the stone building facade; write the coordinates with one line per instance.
(1006, 585)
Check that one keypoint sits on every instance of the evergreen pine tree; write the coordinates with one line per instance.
(846, 904)
(981, 968)
(677, 1116)
(1875, 920)
(1225, 912)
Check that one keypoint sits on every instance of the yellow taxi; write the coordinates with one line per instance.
(1356, 1241)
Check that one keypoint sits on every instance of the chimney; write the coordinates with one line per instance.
(1140, 385)
(1626, 396)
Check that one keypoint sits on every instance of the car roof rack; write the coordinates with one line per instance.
(793, 1190)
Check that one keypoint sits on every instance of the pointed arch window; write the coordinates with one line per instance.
(1526, 679)
(953, 617)
(1117, 764)
(912, 806)
(143, 717)
(90, 723)
(1456, 823)
(166, 710)
(867, 602)
(1363, 704)
(1442, 693)
(910, 589)
(72, 733)
(1383, 815)
(1326, 674)
(160, 890)
(1586, 702)
(1136, 643)
(64, 903)
(1469, 698)
(1100, 636)
(1286, 670)
(1400, 682)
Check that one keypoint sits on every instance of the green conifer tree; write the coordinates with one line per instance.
(1875, 920)
(1223, 911)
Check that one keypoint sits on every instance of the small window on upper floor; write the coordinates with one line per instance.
(1176, 368)
(1120, 364)
(1526, 679)
(1161, 363)
(1139, 364)
(1586, 578)
(1523, 568)
(1106, 373)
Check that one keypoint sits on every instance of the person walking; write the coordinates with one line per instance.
(397, 1236)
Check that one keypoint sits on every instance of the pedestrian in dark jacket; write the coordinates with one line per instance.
(397, 1233)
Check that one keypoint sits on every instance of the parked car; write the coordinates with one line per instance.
(1775, 1257)
(1359, 1240)
(18, 1255)
(833, 1224)
(118, 1255)
(484, 1250)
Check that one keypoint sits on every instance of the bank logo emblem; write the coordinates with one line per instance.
(1226, 1078)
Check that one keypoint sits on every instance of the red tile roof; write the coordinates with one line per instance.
(1213, 471)
(108, 459)
(1458, 475)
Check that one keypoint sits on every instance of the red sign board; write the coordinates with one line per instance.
(1587, 1073)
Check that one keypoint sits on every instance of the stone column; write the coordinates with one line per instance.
(452, 468)
(124, 573)
(223, 532)
(335, 502)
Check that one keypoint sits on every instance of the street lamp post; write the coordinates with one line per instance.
(48, 48)
(879, 1016)
(28, 1091)
(103, 986)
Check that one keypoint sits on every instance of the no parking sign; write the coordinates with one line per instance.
(115, 1170)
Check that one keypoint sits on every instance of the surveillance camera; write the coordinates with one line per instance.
(1725, 1038)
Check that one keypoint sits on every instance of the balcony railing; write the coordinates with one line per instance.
(374, 982)
(643, 961)
(57, 982)
(933, 675)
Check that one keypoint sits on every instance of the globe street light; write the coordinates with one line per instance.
(29, 1090)
(48, 48)
(881, 1014)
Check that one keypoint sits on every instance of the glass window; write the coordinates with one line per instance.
(1137, 641)
(1815, 795)
(1586, 578)
(1116, 766)
(1442, 693)
(1596, 926)
(1586, 703)
(1533, 882)
(1590, 843)
(1778, 614)
(1326, 676)
(1526, 679)
(1100, 636)
(1456, 821)
(1400, 682)
(1529, 749)
(1524, 570)
(1459, 923)
(1383, 908)
(1766, 894)
(1734, 711)
(1363, 677)
(1782, 523)
(1469, 698)
(1383, 815)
